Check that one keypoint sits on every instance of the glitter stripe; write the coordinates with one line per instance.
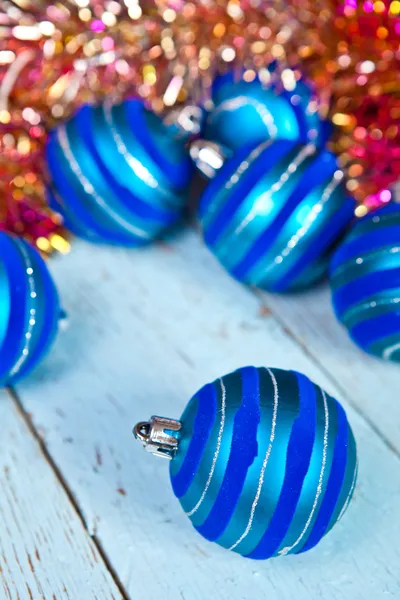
(264, 465)
(241, 101)
(63, 140)
(353, 485)
(285, 551)
(245, 164)
(217, 449)
(137, 167)
(391, 350)
(304, 153)
(354, 310)
(31, 323)
(315, 211)
(362, 260)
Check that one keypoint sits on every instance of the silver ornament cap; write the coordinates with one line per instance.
(159, 436)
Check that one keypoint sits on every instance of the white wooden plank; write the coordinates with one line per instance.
(147, 329)
(372, 385)
(45, 552)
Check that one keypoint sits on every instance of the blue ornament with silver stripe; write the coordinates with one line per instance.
(29, 309)
(271, 215)
(263, 461)
(248, 113)
(365, 283)
(305, 104)
(117, 174)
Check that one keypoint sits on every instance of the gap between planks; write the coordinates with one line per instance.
(63, 483)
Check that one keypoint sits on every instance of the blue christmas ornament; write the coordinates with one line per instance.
(312, 128)
(29, 309)
(117, 173)
(271, 215)
(365, 283)
(248, 113)
(264, 461)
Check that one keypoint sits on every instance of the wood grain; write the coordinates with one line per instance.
(147, 329)
(45, 552)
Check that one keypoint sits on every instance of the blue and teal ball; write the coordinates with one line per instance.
(272, 215)
(365, 283)
(117, 174)
(29, 309)
(312, 127)
(248, 113)
(266, 462)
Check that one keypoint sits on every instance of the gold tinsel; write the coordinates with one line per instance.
(56, 55)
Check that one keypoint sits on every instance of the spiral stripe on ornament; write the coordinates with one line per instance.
(350, 494)
(163, 201)
(142, 198)
(271, 217)
(233, 104)
(242, 455)
(81, 214)
(232, 173)
(163, 149)
(256, 111)
(228, 196)
(236, 489)
(216, 453)
(290, 548)
(116, 174)
(30, 309)
(335, 482)
(296, 469)
(46, 313)
(315, 174)
(278, 185)
(207, 408)
(365, 282)
(264, 465)
(137, 167)
(90, 190)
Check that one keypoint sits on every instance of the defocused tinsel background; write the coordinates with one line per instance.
(54, 56)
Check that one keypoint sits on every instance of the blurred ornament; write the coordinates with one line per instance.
(55, 57)
(117, 174)
(246, 113)
(306, 105)
(263, 461)
(30, 309)
(271, 215)
(365, 282)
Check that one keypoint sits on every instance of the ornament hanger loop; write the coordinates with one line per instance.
(158, 436)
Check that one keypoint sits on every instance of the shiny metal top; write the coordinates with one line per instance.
(159, 436)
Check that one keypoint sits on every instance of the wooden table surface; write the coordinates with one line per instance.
(85, 513)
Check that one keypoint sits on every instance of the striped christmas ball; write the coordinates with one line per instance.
(266, 462)
(248, 113)
(29, 309)
(272, 215)
(304, 101)
(117, 174)
(365, 282)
